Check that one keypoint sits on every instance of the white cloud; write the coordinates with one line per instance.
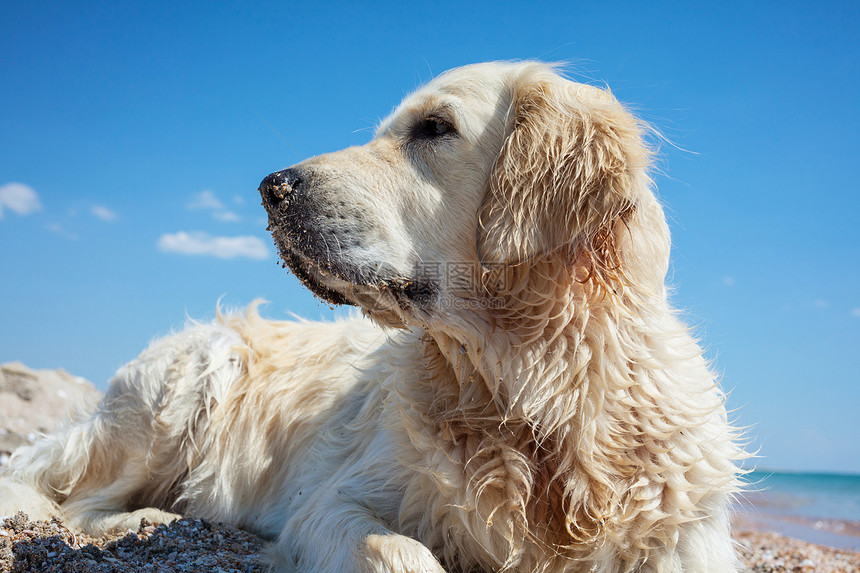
(198, 243)
(20, 198)
(856, 312)
(205, 200)
(208, 201)
(60, 230)
(103, 213)
(821, 303)
(228, 216)
(729, 281)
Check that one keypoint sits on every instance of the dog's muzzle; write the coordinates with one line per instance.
(294, 220)
(279, 192)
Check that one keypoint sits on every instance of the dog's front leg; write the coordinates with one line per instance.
(330, 537)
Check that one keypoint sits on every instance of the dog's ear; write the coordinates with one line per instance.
(573, 167)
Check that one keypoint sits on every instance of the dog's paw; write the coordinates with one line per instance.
(102, 522)
(152, 515)
(394, 553)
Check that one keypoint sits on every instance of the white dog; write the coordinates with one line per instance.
(537, 406)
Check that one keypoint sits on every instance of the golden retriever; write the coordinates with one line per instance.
(529, 403)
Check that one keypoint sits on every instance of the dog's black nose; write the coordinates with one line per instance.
(279, 187)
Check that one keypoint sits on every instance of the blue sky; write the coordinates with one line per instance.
(133, 137)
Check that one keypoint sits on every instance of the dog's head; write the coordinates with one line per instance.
(489, 166)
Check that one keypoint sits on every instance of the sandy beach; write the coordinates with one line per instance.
(196, 545)
(764, 551)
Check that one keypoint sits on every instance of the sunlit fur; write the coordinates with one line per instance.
(554, 416)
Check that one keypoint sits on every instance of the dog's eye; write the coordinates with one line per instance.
(432, 128)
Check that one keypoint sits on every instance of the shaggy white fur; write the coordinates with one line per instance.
(537, 408)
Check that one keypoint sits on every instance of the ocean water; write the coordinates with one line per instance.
(819, 508)
(815, 496)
